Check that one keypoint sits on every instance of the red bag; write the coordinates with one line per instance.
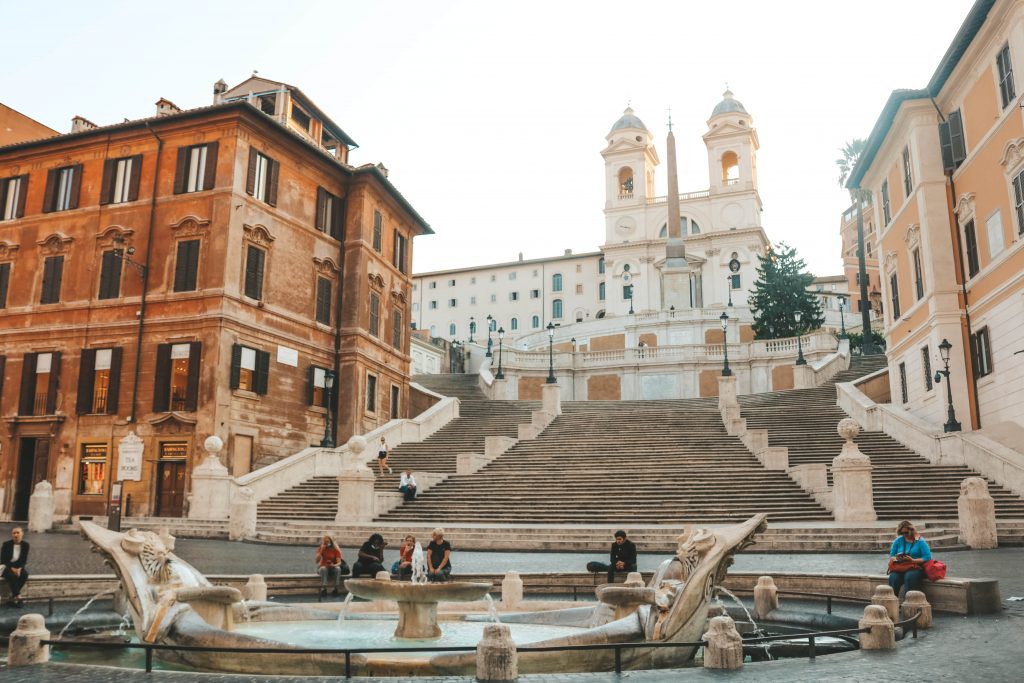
(934, 570)
(900, 565)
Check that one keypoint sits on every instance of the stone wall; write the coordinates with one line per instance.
(604, 388)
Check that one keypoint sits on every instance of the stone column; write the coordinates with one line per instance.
(355, 485)
(242, 524)
(552, 399)
(24, 646)
(511, 590)
(851, 479)
(882, 635)
(211, 485)
(977, 513)
(766, 597)
(255, 588)
(40, 508)
(885, 598)
(496, 656)
(913, 603)
(724, 645)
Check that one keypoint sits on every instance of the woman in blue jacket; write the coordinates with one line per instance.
(908, 546)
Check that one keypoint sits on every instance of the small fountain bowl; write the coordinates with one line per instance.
(401, 591)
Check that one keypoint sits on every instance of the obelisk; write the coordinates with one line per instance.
(675, 271)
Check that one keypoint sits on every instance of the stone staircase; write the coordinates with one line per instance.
(463, 387)
(906, 485)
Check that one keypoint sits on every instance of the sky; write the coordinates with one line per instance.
(491, 116)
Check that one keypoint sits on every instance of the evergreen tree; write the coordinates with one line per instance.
(780, 290)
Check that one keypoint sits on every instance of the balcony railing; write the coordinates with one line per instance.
(39, 405)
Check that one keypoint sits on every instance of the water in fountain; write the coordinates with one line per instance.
(343, 612)
(492, 608)
(126, 622)
(419, 565)
(757, 630)
(80, 610)
(246, 614)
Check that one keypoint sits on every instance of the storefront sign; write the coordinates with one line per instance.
(129, 458)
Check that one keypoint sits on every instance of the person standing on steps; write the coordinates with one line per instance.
(439, 557)
(330, 564)
(622, 558)
(407, 486)
(912, 551)
(382, 457)
(13, 558)
(371, 557)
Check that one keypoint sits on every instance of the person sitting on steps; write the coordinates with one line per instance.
(622, 558)
(330, 564)
(439, 557)
(407, 486)
(371, 557)
(382, 457)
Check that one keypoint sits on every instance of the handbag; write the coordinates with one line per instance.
(934, 570)
(900, 565)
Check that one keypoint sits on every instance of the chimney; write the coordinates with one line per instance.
(80, 123)
(165, 107)
(520, 256)
(568, 252)
(219, 88)
(383, 169)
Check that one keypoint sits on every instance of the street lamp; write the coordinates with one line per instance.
(328, 440)
(951, 424)
(472, 329)
(726, 371)
(842, 317)
(631, 299)
(728, 287)
(501, 335)
(573, 340)
(551, 354)
(800, 360)
(489, 342)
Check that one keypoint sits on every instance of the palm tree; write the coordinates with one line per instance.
(851, 152)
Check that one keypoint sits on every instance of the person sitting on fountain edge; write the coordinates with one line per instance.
(439, 557)
(402, 568)
(622, 558)
(330, 564)
(13, 558)
(371, 557)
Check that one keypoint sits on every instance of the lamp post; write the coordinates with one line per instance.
(328, 440)
(842, 317)
(573, 341)
(472, 329)
(800, 360)
(489, 342)
(631, 299)
(951, 424)
(728, 287)
(726, 371)
(501, 336)
(551, 354)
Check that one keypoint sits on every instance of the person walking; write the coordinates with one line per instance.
(407, 486)
(13, 558)
(382, 457)
(371, 557)
(907, 556)
(330, 564)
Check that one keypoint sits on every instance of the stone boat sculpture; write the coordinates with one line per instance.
(171, 603)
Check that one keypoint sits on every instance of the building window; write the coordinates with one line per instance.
(186, 267)
(982, 352)
(432, 285)
(197, 168)
(53, 273)
(451, 329)
(261, 181)
(926, 365)
(110, 274)
(627, 292)
(176, 382)
(328, 213)
(556, 282)
(1006, 90)
(371, 393)
(378, 231)
(513, 296)
(971, 244)
(63, 186)
(401, 244)
(514, 324)
(735, 281)
(579, 289)
(535, 322)
(12, 197)
(894, 286)
(92, 470)
(317, 395)
(375, 315)
(494, 278)
(39, 379)
(908, 178)
(452, 303)
(301, 118)
(600, 265)
(396, 329)
(493, 325)
(433, 305)
(600, 291)
(903, 382)
(952, 141)
(534, 293)
(494, 298)
(255, 260)
(579, 267)
(994, 230)
(323, 300)
(250, 369)
(511, 276)
(918, 275)
(556, 308)
(472, 301)
(99, 380)
(472, 280)
(5, 282)
(395, 401)
(886, 216)
(1018, 201)
(121, 180)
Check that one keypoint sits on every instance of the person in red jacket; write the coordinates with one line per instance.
(330, 564)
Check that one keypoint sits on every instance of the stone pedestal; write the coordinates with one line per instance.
(885, 598)
(242, 524)
(727, 393)
(882, 635)
(851, 479)
(24, 647)
(469, 463)
(913, 603)
(724, 645)
(511, 590)
(496, 656)
(211, 485)
(551, 397)
(766, 597)
(774, 457)
(803, 377)
(62, 482)
(40, 508)
(675, 284)
(496, 445)
(635, 579)
(355, 486)
(977, 513)
(255, 588)
(499, 390)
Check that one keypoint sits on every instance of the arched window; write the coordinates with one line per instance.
(687, 226)
(451, 329)
(514, 324)
(556, 308)
(600, 265)
(433, 330)
(626, 182)
(730, 168)
(578, 315)
(556, 282)
(494, 325)
(535, 322)
(600, 291)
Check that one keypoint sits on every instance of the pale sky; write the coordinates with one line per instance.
(491, 117)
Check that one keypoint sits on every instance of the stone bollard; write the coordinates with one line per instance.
(766, 596)
(635, 579)
(915, 602)
(24, 646)
(724, 649)
(511, 590)
(255, 588)
(727, 393)
(242, 523)
(851, 479)
(355, 485)
(977, 513)
(40, 508)
(886, 599)
(882, 635)
(496, 656)
(551, 399)
(382, 576)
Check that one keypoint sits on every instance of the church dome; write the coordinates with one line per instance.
(628, 120)
(728, 105)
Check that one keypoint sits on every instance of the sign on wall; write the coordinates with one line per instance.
(287, 356)
(129, 458)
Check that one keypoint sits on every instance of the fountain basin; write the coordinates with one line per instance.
(417, 602)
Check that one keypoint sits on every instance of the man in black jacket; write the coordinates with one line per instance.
(622, 558)
(14, 557)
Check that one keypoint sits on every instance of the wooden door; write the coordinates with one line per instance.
(33, 462)
(170, 488)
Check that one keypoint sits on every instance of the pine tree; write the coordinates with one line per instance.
(780, 290)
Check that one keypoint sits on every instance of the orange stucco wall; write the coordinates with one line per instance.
(610, 342)
(604, 388)
(530, 388)
(782, 377)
